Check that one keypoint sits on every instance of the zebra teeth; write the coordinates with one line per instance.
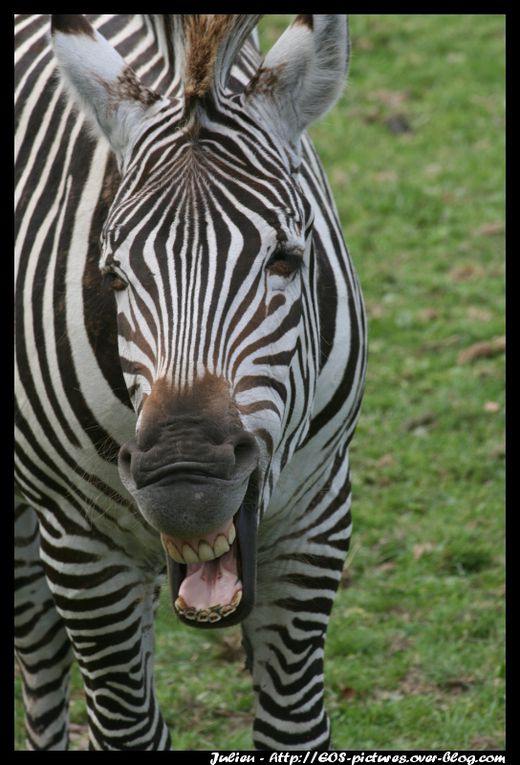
(191, 551)
(181, 605)
(172, 549)
(227, 610)
(206, 552)
(189, 554)
(212, 614)
(220, 546)
(231, 607)
(231, 535)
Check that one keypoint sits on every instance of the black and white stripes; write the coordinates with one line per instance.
(202, 245)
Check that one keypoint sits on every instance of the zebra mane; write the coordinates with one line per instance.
(203, 48)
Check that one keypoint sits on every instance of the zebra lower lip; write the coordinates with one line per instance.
(219, 591)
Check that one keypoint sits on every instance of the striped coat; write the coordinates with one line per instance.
(190, 362)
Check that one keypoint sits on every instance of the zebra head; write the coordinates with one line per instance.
(208, 247)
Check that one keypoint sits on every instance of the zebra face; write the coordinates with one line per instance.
(208, 248)
(210, 260)
(213, 276)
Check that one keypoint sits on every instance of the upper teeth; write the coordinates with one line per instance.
(202, 551)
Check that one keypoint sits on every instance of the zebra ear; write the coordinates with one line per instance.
(304, 72)
(107, 89)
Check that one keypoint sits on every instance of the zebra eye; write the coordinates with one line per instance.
(284, 263)
(113, 281)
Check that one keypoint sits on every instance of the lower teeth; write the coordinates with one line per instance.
(211, 614)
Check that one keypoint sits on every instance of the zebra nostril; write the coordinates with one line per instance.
(234, 458)
(124, 461)
(246, 452)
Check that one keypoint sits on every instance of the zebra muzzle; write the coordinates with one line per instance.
(213, 578)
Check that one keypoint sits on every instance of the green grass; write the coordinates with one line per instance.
(415, 651)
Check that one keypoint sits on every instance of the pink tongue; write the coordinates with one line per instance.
(212, 583)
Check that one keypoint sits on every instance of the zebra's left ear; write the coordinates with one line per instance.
(107, 89)
(304, 73)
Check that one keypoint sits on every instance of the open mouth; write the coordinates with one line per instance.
(213, 578)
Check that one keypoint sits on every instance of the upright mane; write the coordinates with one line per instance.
(203, 49)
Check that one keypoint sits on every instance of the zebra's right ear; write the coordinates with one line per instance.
(107, 89)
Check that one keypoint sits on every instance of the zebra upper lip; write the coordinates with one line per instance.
(183, 471)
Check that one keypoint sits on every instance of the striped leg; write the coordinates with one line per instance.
(284, 638)
(116, 659)
(287, 668)
(108, 608)
(43, 650)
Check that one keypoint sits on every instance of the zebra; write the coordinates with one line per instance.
(191, 353)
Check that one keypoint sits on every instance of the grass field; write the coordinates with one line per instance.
(415, 653)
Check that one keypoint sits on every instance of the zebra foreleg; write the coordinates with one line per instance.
(300, 559)
(286, 658)
(284, 640)
(110, 623)
(43, 650)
